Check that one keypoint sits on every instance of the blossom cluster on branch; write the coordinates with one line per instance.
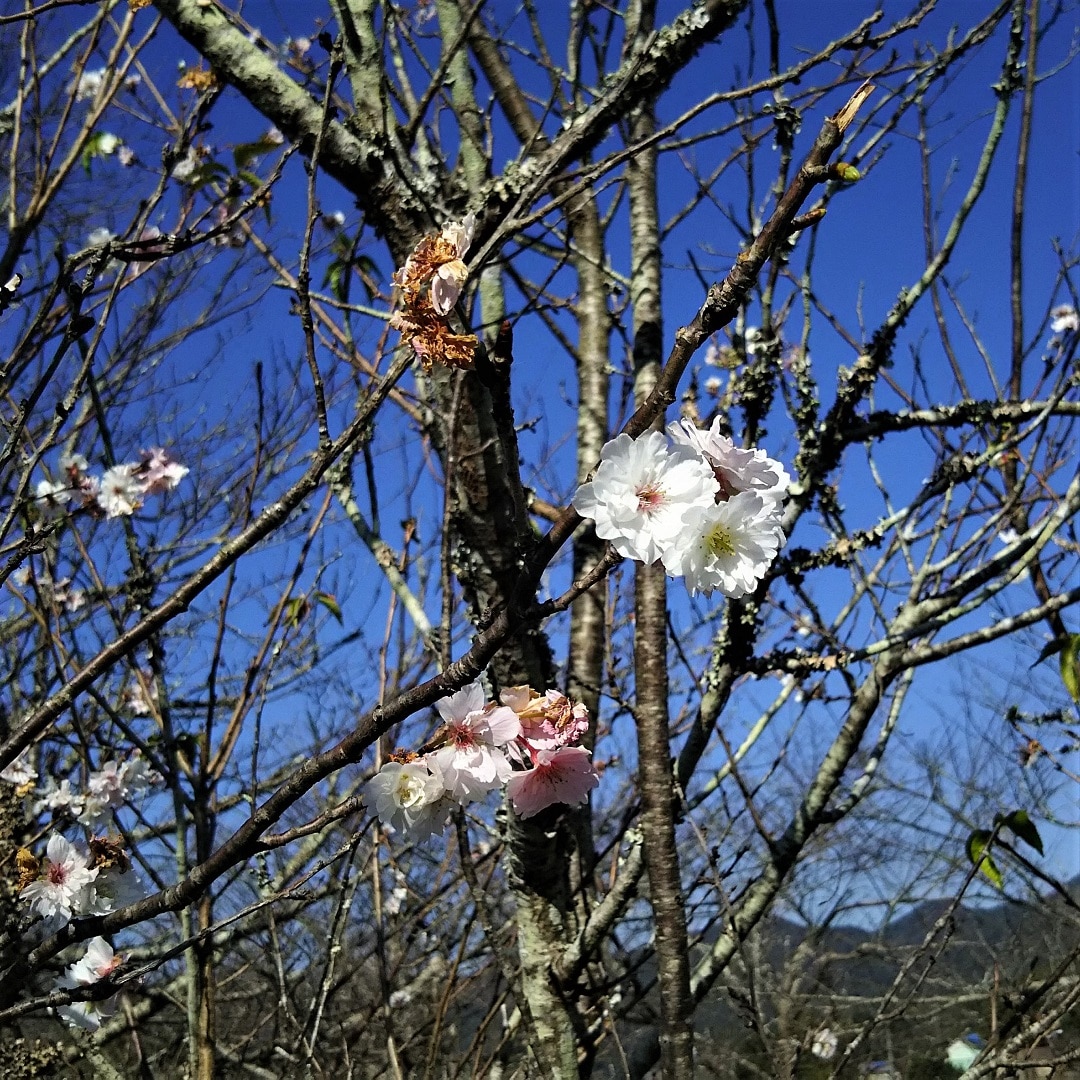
(708, 510)
(74, 879)
(118, 492)
(526, 743)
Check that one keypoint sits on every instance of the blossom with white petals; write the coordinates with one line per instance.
(825, 1044)
(108, 788)
(728, 546)
(59, 800)
(89, 84)
(185, 168)
(469, 756)
(641, 493)
(52, 497)
(114, 888)
(97, 963)
(65, 884)
(735, 469)
(20, 771)
(74, 465)
(407, 796)
(1064, 320)
(120, 494)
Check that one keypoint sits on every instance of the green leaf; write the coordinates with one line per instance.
(246, 153)
(296, 609)
(1070, 666)
(1051, 648)
(335, 279)
(329, 601)
(100, 144)
(1019, 823)
(253, 180)
(206, 173)
(978, 851)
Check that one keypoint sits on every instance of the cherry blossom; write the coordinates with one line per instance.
(20, 771)
(89, 84)
(59, 799)
(728, 546)
(74, 465)
(447, 284)
(71, 599)
(470, 758)
(475, 751)
(97, 963)
(114, 887)
(159, 472)
(564, 775)
(136, 700)
(99, 236)
(407, 795)
(108, 788)
(641, 493)
(120, 494)
(824, 1045)
(547, 720)
(65, 886)
(52, 497)
(436, 259)
(735, 469)
(1064, 320)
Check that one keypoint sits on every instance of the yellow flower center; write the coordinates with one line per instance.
(719, 541)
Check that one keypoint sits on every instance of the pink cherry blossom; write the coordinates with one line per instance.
(565, 775)
(108, 788)
(547, 720)
(159, 472)
(446, 286)
(468, 753)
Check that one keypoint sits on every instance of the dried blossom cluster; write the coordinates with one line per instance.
(431, 282)
(118, 492)
(526, 743)
(710, 511)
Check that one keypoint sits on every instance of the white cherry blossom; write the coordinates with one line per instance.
(98, 962)
(641, 493)
(406, 795)
(65, 886)
(120, 494)
(736, 469)
(727, 546)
